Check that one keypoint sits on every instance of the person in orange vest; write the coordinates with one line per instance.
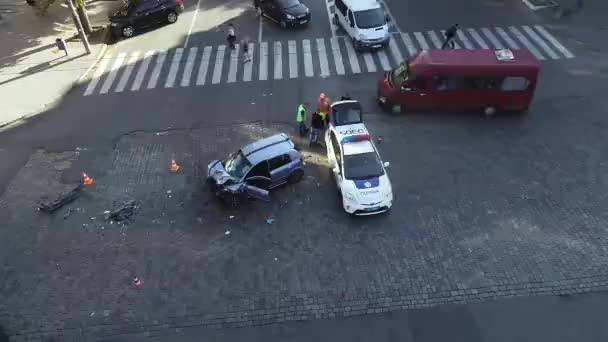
(323, 106)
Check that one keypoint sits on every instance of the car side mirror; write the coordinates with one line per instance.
(388, 18)
(387, 165)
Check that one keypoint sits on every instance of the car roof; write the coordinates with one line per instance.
(360, 5)
(358, 147)
(475, 58)
(267, 148)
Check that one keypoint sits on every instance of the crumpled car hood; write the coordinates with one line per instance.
(218, 173)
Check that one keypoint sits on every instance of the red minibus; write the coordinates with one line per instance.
(461, 80)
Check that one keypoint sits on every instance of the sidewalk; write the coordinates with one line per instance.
(34, 74)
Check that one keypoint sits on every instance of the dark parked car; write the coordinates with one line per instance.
(256, 168)
(138, 14)
(285, 12)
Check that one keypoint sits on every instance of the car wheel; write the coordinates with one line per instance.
(295, 176)
(283, 24)
(127, 31)
(171, 17)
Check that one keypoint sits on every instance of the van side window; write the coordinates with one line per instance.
(515, 84)
(484, 83)
(341, 7)
(442, 83)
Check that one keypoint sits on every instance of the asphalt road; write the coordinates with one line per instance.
(485, 208)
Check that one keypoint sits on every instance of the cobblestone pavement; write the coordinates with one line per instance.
(484, 209)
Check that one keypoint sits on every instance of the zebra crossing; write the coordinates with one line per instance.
(278, 60)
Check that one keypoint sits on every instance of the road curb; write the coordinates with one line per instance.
(63, 93)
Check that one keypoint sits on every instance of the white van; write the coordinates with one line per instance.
(364, 21)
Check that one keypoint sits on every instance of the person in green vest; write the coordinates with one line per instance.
(301, 118)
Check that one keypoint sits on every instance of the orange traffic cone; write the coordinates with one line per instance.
(86, 180)
(138, 283)
(174, 166)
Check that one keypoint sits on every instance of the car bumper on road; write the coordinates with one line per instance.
(364, 210)
(373, 44)
(299, 21)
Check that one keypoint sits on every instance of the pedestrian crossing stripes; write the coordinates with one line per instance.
(292, 59)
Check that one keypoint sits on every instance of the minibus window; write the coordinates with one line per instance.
(515, 84)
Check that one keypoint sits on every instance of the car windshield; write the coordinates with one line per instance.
(288, 3)
(237, 165)
(362, 166)
(370, 18)
(400, 74)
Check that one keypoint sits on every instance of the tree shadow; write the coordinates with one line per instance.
(41, 67)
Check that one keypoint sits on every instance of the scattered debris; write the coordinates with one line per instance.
(124, 213)
(270, 221)
(198, 219)
(276, 259)
(67, 214)
(231, 217)
(138, 283)
(106, 212)
(92, 314)
(169, 192)
(174, 166)
(227, 232)
(252, 102)
(93, 218)
(61, 201)
(162, 133)
(380, 139)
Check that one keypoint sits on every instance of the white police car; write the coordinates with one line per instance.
(359, 172)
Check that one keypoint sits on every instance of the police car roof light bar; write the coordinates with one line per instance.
(355, 138)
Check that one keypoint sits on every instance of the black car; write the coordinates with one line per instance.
(285, 12)
(138, 14)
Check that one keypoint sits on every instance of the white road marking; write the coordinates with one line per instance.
(248, 68)
(332, 26)
(219, 63)
(395, 52)
(434, 39)
(510, 42)
(308, 69)
(113, 72)
(192, 24)
(456, 45)
(141, 72)
(421, 41)
(386, 65)
(127, 73)
(548, 36)
(177, 58)
(293, 58)
(278, 61)
(234, 64)
(369, 62)
(335, 49)
(323, 62)
(407, 40)
(263, 71)
(540, 42)
(160, 61)
(464, 40)
(202, 69)
(98, 73)
(526, 43)
(495, 42)
(187, 75)
(390, 15)
(477, 38)
(352, 58)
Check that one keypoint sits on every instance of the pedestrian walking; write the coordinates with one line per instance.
(301, 119)
(231, 36)
(246, 55)
(450, 33)
(323, 106)
(316, 127)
